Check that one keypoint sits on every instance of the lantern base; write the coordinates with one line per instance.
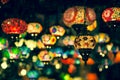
(85, 54)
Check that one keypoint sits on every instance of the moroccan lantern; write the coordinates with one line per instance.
(111, 17)
(102, 38)
(34, 28)
(25, 52)
(33, 74)
(111, 14)
(48, 39)
(57, 30)
(3, 43)
(84, 44)
(45, 56)
(69, 40)
(14, 26)
(11, 53)
(79, 15)
(31, 44)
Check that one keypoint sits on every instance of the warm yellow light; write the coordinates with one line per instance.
(58, 66)
(4, 65)
(23, 72)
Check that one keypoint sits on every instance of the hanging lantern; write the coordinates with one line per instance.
(58, 51)
(57, 30)
(111, 14)
(102, 38)
(31, 44)
(34, 28)
(78, 15)
(48, 39)
(39, 64)
(14, 26)
(69, 40)
(92, 26)
(25, 52)
(45, 56)
(3, 43)
(85, 44)
(32, 74)
(11, 53)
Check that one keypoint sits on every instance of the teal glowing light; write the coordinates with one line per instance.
(32, 74)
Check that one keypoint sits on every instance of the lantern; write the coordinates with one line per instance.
(39, 64)
(11, 53)
(85, 44)
(69, 40)
(34, 28)
(31, 44)
(78, 15)
(111, 16)
(48, 39)
(45, 56)
(102, 38)
(3, 43)
(57, 30)
(14, 26)
(32, 74)
(25, 52)
(92, 26)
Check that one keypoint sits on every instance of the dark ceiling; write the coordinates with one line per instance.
(27, 9)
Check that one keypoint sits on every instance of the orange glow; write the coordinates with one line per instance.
(91, 76)
(117, 58)
(90, 61)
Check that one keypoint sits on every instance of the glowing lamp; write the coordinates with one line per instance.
(39, 64)
(78, 15)
(31, 44)
(92, 26)
(25, 52)
(34, 28)
(3, 43)
(48, 39)
(11, 53)
(84, 44)
(57, 30)
(111, 14)
(14, 26)
(45, 56)
(102, 38)
(32, 74)
(69, 40)
(91, 76)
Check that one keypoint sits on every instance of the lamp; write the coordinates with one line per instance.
(14, 26)
(79, 18)
(111, 17)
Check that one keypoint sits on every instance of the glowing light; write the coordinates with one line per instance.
(4, 65)
(23, 72)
